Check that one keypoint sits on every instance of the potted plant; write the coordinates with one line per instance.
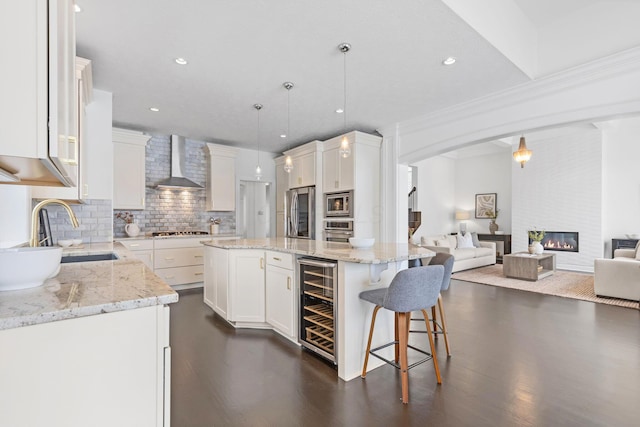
(536, 236)
(130, 227)
(493, 227)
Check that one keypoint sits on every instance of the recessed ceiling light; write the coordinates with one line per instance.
(181, 61)
(284, 135)
(449, 61)
(77, 8)
(339, 111)
(154, 109)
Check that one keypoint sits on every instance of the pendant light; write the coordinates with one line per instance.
(345, 149)
(523, 154)
(288, 162)
(258, 107)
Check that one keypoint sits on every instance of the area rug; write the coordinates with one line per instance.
(562, 283)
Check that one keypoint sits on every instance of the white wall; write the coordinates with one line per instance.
(99, 146)
(15, 215)
(621, 180)
(436, 196)
(484, 174)
(560, 189)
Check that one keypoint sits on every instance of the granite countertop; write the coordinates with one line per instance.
(87, 288)
(378, 254)
(185, 236)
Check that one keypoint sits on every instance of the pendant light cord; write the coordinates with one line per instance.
(344, 107)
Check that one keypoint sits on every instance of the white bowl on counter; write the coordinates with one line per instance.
(76, 242)
(23, 268)
(361, 243)
(65, 243)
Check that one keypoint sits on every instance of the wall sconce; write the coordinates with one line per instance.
(523, 155)
(462, 216)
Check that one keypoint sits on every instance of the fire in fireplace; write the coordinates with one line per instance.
(562, 241)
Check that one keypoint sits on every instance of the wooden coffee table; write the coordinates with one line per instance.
(525, 266)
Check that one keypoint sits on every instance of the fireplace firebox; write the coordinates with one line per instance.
(561, 241)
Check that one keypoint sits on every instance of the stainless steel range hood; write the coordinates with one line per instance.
(177, 179)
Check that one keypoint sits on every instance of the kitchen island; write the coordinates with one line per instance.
(89, 347)
(236, 289)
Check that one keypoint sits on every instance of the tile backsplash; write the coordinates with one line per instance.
(94, 216)
(169, 210)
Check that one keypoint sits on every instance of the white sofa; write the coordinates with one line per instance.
(465, 258)
(618, 277)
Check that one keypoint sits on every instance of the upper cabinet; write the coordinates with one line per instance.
(38, 138)
(337, 171)
(129, 169)
(304, 164)
(77, 193)
(221, 180)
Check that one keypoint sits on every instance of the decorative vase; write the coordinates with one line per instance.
(531, 249)
(493, 227)
(537, 248)
(132, 229)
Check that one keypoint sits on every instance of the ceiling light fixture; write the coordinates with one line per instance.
(449, 61)
(288, 162)
(345, 149)
(339, 111)
(523, 154)
(77, 8)
(181, 61)
(154, 109)
(258, 107)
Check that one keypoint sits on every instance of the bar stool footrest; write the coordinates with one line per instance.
(395, 364)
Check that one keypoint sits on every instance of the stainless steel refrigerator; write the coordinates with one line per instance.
(300, 210)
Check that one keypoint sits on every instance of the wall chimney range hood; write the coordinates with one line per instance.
(177, 180)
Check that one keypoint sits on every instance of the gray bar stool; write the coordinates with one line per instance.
(410, 290)
(446, 260)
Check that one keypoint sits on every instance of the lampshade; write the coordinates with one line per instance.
(523, 154)
(462, 215)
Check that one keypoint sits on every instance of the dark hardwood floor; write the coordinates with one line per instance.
(518, 359)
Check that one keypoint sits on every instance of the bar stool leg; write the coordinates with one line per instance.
(396, 338)
(404, 363)
(366, 354)
(432, 345)
(435, 323)
(443, 322)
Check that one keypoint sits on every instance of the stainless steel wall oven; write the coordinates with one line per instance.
(338, 231)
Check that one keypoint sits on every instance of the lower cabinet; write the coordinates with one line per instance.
(280, 293)
(216, 282)
(110, 369)
(246, 286)
(142, 249)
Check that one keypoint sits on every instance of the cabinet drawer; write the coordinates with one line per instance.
(164, 258)
(138, 244)
(280, 259)
(181, 275)
(179, 242)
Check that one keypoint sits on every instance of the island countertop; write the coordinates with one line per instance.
(379, 253)
(85, 289)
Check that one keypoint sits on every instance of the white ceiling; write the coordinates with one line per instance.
(240, 52)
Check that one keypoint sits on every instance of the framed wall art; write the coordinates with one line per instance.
(486, 204)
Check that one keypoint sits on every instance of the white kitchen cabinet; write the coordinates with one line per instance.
(78, 192)
(246, 286)
(280, 293)
(141, 249)
(337, 171)
(216, 280)
(38, 102)
(129, 169)
(179, 261)
(221, 180)
(282, 185)
(304, 171)
(111, 369)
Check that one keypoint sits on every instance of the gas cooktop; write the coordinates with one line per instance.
(178, 233)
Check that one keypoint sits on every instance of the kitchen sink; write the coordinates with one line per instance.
(86, 258)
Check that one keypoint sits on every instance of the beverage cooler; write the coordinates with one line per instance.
(318, 309)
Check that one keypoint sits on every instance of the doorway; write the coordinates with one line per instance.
(253, 216)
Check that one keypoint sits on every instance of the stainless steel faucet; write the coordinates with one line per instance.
(33, 241)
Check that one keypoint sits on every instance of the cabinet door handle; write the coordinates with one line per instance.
(169, 277)
(289, 282)
(277, 259)
(261, 261)
(134, 244)
(337, 184)
(168, 259)
(197, 256)
(198, 274)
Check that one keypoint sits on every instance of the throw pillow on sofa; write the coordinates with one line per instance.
(465, 241)
(476, 241)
